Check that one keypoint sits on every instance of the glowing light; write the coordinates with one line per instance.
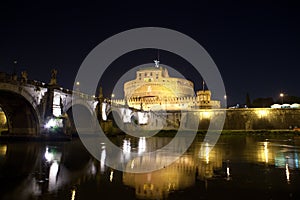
(206, 153)
(206, 115)
(53, 123)
(48, 155)
(262, 113)
(50, 124)
(228, 172)
(104, 116)
(77, 83)
(281, 95)
(296, 160)
(53, 174)
(142, 145)
(111, 176)
(142, 117)
(126, 115)
(148, 186)
(56, 111)
(266, 152)
(295, 105)
(56, 104)
(287, 172)
(126, 146)
(132, 164)
(73, 194)
(3, 119)
(275, 106)
(3, 149)
(102, 160)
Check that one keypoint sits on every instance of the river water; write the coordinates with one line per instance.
(238, 167)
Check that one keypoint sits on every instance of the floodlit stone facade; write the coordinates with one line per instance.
(154, 89)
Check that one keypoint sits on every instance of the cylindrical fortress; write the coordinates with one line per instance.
(156, 82)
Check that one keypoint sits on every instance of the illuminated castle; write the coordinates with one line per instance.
(154, 89)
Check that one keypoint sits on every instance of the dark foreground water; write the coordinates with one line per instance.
(238, 167)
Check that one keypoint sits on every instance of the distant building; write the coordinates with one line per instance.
(154, 89)
(294, 105)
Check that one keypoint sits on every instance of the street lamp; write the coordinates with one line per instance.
(111, 99)
(225, 99)
(281, 95)
(77, 85)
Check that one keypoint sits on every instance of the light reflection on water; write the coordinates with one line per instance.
(257, 167)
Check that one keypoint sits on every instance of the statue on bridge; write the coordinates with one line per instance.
(24, 77)
(53, 77)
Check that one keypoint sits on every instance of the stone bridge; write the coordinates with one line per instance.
(33, 108)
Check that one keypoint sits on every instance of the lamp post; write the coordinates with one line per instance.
(281, 95)
(225, 99)
(111, 99)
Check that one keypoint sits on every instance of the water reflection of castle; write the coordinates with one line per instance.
(153, 89)
(197, 165)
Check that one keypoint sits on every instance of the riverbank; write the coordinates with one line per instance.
(282, 132)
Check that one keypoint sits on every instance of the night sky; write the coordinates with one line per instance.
(256, 46)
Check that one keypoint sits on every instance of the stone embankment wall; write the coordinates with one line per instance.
(252, 118)
(262, 118)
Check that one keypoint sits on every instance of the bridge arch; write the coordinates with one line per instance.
(87, 122)
(115, 116)
(21, 110)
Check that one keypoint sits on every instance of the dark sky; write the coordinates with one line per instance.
(256, 46)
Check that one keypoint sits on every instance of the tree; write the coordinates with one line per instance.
(263, 102)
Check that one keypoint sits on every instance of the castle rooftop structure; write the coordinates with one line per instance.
(154, 89)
